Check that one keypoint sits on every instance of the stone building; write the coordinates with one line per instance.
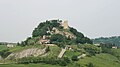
(114, 47)
(9, 45)
(65, 25)
(44, 40)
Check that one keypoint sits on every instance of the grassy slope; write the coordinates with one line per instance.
(54, 51)
(28, 65)
(71, 53)
(3, 47)
(19, 48)
(101, 60)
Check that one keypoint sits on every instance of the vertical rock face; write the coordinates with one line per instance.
(65, 25)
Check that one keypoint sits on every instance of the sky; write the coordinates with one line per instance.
(94, 18)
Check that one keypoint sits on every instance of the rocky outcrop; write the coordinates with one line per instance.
(67, 34)
(27, 53)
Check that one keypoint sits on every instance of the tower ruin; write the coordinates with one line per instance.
(65, 25)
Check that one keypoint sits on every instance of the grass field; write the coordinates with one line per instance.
(19, 48)
(28, 65)
(54, 51)
(3, 47)
(101, 60)
(71, 53)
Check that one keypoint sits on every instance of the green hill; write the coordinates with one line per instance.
(101, 60)
(56, 32)
(114, 40)
(55, 44)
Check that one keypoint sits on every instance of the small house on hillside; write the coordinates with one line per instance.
(9, 45)
(44, 40)
(114, 47)
(68, 47)
(97, 44)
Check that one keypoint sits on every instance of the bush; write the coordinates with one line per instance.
(45, 26)
(57, 38)
(91, 49)
(47, 49)
(5, 53)
(90, 65)
(66, 59)
(62, 63)
(74, 58)
(53, 61)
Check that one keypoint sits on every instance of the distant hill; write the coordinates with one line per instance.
(114, 40)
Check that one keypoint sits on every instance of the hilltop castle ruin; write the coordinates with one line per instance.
(65, 25)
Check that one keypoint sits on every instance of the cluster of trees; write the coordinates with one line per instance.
(74, 58)
(90, 65)
(107, 48)
(107, 45)
(114, 40)
(4, 53)
(80, 37)
(45, 26)
(90, 49)
(29, 41)
(58, 39)
(115, 52)
(3, 43)
(61, 39)
(54, 61)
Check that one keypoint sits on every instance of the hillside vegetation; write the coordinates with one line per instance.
(53, 32)
(113, 40)
(55, 44)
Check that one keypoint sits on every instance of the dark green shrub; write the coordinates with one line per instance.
(74, 58)
(90, 65)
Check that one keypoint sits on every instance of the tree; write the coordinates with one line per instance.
(90, 65)
(107, 45)
(66, 59)
(44, 27)
(79, 40)
(18, 43)
(62, 63)
(57, 38)
(74, 58)
(75, 32)
(23, 43)
(47, 49)
(5, 53)
(80, 37)
(91, 49)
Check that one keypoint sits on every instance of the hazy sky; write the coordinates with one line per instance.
(94, 18)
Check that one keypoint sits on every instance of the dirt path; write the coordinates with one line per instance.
(61, 53)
